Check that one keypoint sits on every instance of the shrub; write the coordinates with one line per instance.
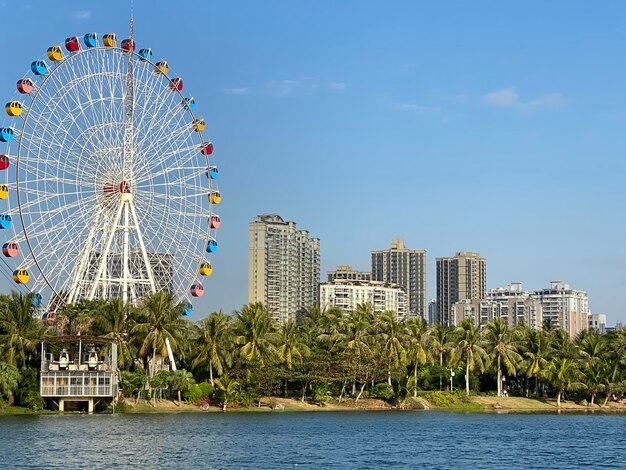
(382, 391)
(207, 389)
(194, 393)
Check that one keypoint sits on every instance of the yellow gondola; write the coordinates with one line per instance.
(216, 197)
(162, 67)
(4, 191)
(14, 108)
(109, 40)
(55, 53)
(199, 125)
(21, 276)
(206, 269)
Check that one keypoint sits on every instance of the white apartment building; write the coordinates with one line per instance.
(283, 266)
(515, 305)
(564, 307)
(597, 322)
(347, 294)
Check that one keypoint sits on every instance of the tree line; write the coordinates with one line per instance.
(325, 354)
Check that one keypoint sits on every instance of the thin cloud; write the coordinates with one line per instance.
(417, 108)
(301, 84)
(236, 91)
(509, 98)
(82, 14)
(337, 86)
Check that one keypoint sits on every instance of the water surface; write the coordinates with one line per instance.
(313, 440)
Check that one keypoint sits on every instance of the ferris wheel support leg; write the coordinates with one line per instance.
(84, 262)
(105, 253)
(125, 248)
(144, 253)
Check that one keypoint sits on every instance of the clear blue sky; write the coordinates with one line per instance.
(459, 126)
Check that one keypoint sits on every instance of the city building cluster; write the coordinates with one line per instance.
(284, 274)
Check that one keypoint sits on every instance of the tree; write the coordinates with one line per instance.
(214, 344)
(228, 388)
(9, 379)
(20, 331)
(291, 344)
(504, 347)
(417, 335)
(471, 347)
(256, 334)
(563, 374)
(158, 319)
(112, 320)
(391, 335)
(441, 343)
(181, 380)
(536, 352)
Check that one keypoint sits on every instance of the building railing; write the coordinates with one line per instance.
(78, 384)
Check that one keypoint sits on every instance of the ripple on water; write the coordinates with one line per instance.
(312, 440)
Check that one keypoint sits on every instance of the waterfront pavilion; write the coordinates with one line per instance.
(78, 372)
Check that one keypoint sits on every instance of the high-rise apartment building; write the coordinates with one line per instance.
(564, 307)
(433, 313)
(407, 269)
(283, 266)
(462, 276)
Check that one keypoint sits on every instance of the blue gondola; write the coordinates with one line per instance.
(6, 134)
(211, 247)
(5, 221)
(39, 67)
(146, 54)
(90, 39)
(187, 309)
(189, 103)
(37, 300)
(212, 173)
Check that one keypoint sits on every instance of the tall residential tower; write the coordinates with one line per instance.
(283, 267)
(462, 276)
(407, 269)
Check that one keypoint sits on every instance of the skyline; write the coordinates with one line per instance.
(493, 129)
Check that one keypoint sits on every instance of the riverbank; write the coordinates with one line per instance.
(439, 401)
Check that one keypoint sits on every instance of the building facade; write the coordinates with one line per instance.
(406, 268)
(347, 295)
(346, 273)
(460, 277)
(283, 266)
(597, 322)
(433, 313)
(511, 304)
(564, 307)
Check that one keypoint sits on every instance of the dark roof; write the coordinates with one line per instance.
(76, 338)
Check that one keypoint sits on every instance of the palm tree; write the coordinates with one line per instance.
(441, 343)
(471, 346)
(563, 374)
(417, 335)
(158, 319)
(20, 331)
(256, 334)
(214, 344)
(181, 380)
(391, 333)
(536, 352)
(504, 346)
(228, 388)
(291, 344)
(112, 321)
(9, 380)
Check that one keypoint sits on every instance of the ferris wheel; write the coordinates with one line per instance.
(108, 188)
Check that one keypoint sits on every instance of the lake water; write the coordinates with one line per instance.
(314, 440)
